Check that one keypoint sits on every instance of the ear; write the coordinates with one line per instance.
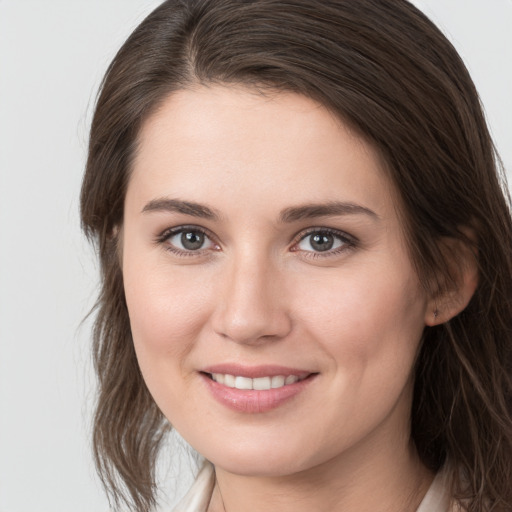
(455, 295)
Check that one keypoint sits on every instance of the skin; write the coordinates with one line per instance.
(258, 292)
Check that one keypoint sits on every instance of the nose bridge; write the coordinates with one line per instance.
(251, 307)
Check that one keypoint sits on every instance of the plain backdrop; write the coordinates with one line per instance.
(53, 54)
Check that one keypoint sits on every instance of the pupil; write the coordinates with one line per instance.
(192, 241)
(322, 242)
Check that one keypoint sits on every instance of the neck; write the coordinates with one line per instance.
(375, 480)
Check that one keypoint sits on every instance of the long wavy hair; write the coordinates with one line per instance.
(385, 69)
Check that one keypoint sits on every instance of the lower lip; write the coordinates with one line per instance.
(254, 401)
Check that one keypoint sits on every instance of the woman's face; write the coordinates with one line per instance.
(262, 249)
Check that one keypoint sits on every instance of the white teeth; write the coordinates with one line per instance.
(218, 377)
(277, 381)
(291, 379)
(229, 380)
(243, 383)
(259, 383)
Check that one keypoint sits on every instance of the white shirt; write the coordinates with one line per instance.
(198, 497)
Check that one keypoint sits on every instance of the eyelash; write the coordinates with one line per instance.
(348, 241)
(166, 235)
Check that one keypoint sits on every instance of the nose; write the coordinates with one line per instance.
(252, 305)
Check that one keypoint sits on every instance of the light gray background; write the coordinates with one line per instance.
(52, 56)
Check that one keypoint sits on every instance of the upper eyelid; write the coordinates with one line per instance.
(319, 229)
(172, 231)
(349, 242)
(163, 240)
(168, 232)
(302, 233)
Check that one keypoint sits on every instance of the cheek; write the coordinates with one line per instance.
(370, 329)
(167, 311)
(365, 317)
(166, 318)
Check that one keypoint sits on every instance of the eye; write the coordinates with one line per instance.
(187, 240)
(324, 240)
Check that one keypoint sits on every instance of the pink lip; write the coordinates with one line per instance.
(255, 401)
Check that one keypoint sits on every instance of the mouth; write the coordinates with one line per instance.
(255, 389)
(259, 383)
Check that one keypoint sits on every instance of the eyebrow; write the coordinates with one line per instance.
(179, 206)
(288, 215)
(310, 211)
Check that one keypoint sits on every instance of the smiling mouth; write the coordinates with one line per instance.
(258, 383)
(254, 390)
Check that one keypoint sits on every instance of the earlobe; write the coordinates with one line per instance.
(447, 304)
(432, 315)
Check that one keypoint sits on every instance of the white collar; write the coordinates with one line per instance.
(438, 497)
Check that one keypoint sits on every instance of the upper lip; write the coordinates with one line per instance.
(253, 372)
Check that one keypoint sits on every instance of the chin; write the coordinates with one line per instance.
(258, 467)
(260, 460)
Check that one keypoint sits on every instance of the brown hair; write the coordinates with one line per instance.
(385, 69)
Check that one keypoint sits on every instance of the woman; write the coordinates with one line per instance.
(306, 263)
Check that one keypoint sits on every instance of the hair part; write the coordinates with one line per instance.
(384, 69)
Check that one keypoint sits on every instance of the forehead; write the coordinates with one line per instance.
(276, 146)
